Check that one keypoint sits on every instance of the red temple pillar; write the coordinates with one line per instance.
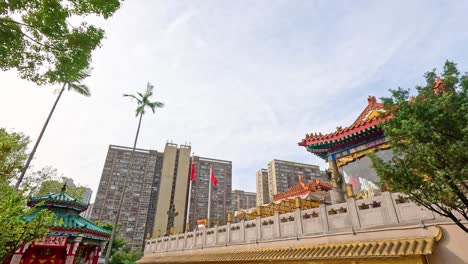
(71, 250)
(16, 259)
(96, 254)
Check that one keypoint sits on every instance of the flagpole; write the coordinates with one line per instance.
(187, 224)
(209, 199)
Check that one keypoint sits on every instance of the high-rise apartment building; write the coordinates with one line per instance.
(155, 198)
(220, 195)
(282, 175)
(88, 192)
(141, 190)
(87, 213)
(243, 200)
(172, 198)
(263, 193)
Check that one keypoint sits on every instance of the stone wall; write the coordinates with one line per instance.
(388, 210)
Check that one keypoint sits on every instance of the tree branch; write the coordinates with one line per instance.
(448, 135)
(428, 206)
(27, 36)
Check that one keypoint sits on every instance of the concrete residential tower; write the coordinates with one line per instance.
(282, 175)
(172, 198)
(142, 184)
(243, 200)
(156, 195)
(220, 196)
(263, 193)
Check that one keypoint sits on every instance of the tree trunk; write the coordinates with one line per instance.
(457, 191)
(122, 196)
(457, 222)
(25, 168)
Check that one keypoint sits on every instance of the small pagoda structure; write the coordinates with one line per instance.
(301, 196)
(72, 239)
(314, 190)
(347, 145)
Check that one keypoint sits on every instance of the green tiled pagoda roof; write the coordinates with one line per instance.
(60, 199)
(67, 219)
(70, 223)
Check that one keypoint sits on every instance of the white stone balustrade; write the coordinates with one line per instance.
(389, 209)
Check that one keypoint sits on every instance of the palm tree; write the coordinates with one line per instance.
(143, 102)
(72, 85)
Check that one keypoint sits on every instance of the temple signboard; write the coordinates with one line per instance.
(51, 241)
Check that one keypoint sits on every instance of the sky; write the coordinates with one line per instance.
(241, 80)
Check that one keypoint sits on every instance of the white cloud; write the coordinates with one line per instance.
(242, 81)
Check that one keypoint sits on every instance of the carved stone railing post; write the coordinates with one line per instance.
(184, 243)
(353, 213)
(298, 221)
(324, 218)
(204, 237)
(215, 234)
(259, 227)
(276, 225)
(167, 243)
(390, 207)
(194, 239)
(242, 231)
(228, 233)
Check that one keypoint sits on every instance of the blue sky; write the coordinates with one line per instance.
(241, 80)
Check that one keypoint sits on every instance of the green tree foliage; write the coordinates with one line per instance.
(49, 41)
(118, 243)
(47, 180)
(53, 186)
(14, 229)
(429, 136)
(12, 153)
(13, 210)
(125, 257)
(33, 180)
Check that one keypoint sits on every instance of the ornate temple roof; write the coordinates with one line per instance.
(67, 218)
(60, 199)
(302, 189)
(364, 127)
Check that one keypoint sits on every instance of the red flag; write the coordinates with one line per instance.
(193, 173)
(213, 178)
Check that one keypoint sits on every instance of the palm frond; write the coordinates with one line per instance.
(149, 89)
(143, 100)
(77, 85)
(133, 97)
(140, 109)
(84, 74)
(82, 89)
(141, 95)
(154, 105)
